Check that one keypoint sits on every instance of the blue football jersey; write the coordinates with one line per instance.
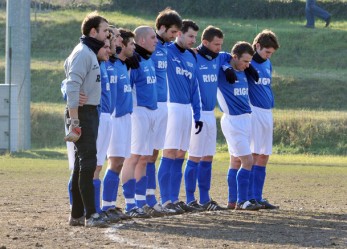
(207, 76)
(260, 93)
(144, 85)
(105, 102)
(181, 73)
(233, 99)
(112, 77)
(124, 103)
(159, 58)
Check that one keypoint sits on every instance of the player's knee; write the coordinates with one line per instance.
(262, 160)
(169, 153)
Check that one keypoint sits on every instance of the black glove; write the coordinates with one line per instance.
(133, 62)
(230, 75)
(198, 126)
(251, 72)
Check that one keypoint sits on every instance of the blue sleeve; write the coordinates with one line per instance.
(224, 60)
(196, 100)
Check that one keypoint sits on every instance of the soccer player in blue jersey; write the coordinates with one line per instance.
(143, 118)
(236, 126)
(203, 145)
(183, 97)
(121, 105)
(262, 102)
(104, 129)
(167, 24)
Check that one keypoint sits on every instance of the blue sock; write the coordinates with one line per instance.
(204, 181)
(175, 180)
(97, 186)
(151, 185)
(242, 179)
(164, 178)
(259, 180)
(129, 194)
(251, 185)
(109, 193)
(140, 192)
(69, 186)
(190, 178)
(232, 185)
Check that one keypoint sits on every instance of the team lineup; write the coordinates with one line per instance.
(131, 94)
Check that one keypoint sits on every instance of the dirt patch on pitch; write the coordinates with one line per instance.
(34, 211)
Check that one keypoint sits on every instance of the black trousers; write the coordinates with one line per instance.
(85, 163)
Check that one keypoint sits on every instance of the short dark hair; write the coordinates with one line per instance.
(110, 32)
(187, 23)
(242, 47)
(92, 20)
(168, 18)
(126, 34)
(210, 32)
(266, 39)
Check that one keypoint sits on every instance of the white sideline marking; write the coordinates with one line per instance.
(111, 233)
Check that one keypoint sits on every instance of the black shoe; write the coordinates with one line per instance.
(194, 204)
(137, 212)
(77, 221)
(266, 205)
(246, 205)
(212, 206)
(153, 212)
(184, 207)
(327, 21)
(255, 202)
(112, 215)
(97, 220)
(171, 206)
(122, 215)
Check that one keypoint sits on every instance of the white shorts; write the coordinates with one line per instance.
(179, 125)
(237, 132)
(120, 142)
(204, 143)
(160, 126)
(142, 131)
(262, 131)
(103, 140)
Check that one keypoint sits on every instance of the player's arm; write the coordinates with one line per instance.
(196, 105)
(75, 77)
(73, 123)
(224, 60)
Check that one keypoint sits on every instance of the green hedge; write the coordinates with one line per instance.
(305, 135)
